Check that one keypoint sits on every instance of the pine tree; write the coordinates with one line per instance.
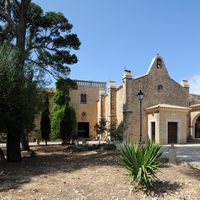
(44, 42)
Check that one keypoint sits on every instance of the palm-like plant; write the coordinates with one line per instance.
(141, 161)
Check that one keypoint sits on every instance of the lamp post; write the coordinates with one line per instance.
(140, 96)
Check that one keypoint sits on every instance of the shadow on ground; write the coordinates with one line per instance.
(48, 161)
(192, 172)
(161, 188)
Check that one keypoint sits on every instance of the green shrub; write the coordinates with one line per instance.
(141, 161)
(63, 116)
(100, 128)
(56, 118)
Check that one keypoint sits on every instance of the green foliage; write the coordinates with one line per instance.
(18, 97)
(116, 133)
(30, 100)
(56, 119)
(141, 161)
(45, 45)
(65, 85)
(16, 107)
(45, 125)
(59, 98)
(63, 117)
(63, 123)
(100, 127)
(44, 39)
(68, 124)
(120, 131)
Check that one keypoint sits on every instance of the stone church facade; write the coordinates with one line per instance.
(169, 113)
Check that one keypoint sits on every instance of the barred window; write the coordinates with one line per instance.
(83, 98)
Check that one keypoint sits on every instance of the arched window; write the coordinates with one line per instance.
(159, 63)
(83, 98)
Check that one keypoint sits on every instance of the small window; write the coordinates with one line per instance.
(159, 63)
(83, 98)
(160, 88)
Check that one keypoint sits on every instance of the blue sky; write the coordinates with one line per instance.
(129, 33)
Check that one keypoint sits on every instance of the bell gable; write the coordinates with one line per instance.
(157, 66)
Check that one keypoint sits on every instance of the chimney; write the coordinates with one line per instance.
(111, 84)
(127, 74)
(185, 84)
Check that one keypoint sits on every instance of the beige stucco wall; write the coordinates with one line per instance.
(173, 116)
(90, 108)
(98, 110)
(106, 108)
(161, 118)
(154, 117)
(119, 105)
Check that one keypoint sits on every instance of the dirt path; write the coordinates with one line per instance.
(57, 175)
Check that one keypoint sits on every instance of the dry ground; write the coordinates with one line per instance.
(54, 174)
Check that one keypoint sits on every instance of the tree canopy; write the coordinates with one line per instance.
(44, 39)
(45, 45)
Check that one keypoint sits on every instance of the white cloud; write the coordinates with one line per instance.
(194, 84)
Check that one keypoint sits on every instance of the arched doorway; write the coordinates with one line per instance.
(194, 123)
(197, 128)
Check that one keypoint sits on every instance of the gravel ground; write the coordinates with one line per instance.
(55, 174)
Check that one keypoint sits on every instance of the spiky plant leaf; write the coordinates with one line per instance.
(141, 161)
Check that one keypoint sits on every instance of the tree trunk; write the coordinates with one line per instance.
(13, 146)
(24, 142)
(21, 34)
(20, 43)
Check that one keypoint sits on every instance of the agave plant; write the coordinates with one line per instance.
(141, 161)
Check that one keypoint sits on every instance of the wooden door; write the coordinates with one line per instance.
(83, 129)
(172, 132)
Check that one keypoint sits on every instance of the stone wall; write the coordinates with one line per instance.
(158, 88)
(194, 99)
(112, 104)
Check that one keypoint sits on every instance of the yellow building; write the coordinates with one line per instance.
(84, 101)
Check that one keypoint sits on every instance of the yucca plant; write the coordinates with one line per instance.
(141, 161)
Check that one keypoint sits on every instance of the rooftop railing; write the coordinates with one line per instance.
(91, 84)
